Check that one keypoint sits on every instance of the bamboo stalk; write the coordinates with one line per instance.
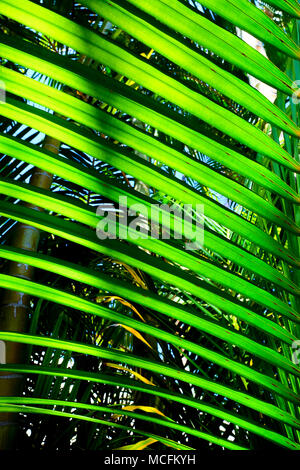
(15, 305)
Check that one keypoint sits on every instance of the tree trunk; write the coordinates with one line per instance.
(15, 305)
